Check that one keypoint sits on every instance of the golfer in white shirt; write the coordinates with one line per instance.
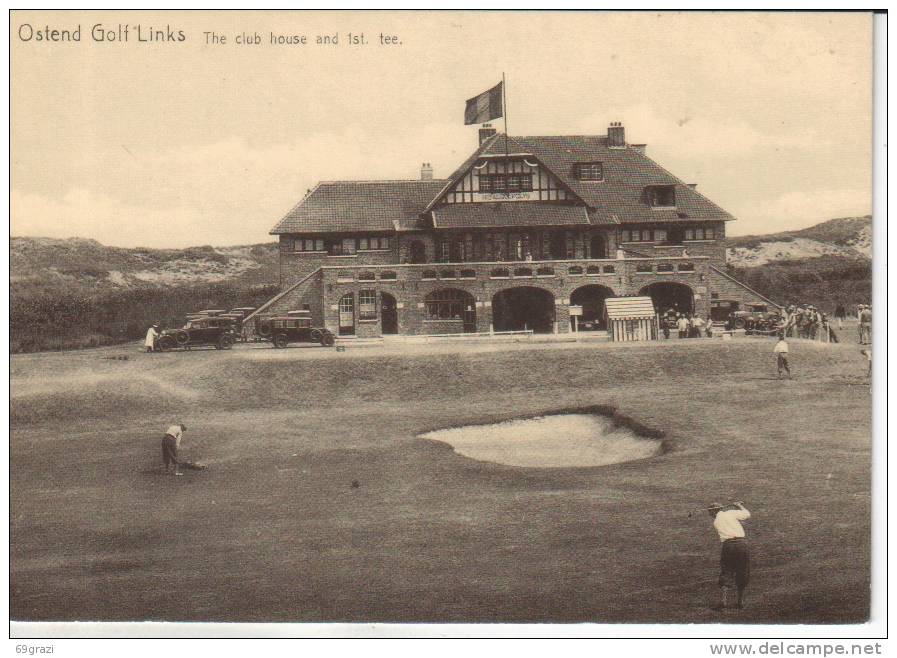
(170, 444)
(734, 560)
(781, 352)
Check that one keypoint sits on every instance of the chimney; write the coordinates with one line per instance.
(426, 171)
(616, 138)
(639, 148)
(486, 132)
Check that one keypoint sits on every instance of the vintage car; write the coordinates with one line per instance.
(285, 329)
(219, 332)
(765, 322)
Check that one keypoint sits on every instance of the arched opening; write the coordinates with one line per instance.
(591, 298)
(347, 315)
(516, 309)
(669, 296)
(456, 308)
(389, 314)
(418, 252)
(598, 247)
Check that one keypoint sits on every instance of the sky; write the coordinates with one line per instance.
(173, 144)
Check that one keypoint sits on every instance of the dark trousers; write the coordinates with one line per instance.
(169, 450)
(782, 363)
(734, 564)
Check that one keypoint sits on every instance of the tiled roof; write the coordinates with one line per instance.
(508, 213)
(619, 198)
(397, 205)
(360, 206)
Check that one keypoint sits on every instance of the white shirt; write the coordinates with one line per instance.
(682, 324)
(175, 431)
(151, 335)
(698, 322)
(727, 523)
(781, 347)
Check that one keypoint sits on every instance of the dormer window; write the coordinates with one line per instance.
(590, 171)
(502, 183)
(661, 196)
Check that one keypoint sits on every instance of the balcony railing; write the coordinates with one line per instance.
(511, 270)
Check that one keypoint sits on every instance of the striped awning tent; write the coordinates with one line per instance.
(631, 318)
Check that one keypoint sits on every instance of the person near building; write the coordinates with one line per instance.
(840, 314)
(682, 325)
(170, 444)
(865, 316)
(781, 352)
(698, 324)
(152, 334)
(734, 560)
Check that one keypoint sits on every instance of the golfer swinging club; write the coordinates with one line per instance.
(734, 560)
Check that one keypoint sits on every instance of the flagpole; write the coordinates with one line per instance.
(504, 111)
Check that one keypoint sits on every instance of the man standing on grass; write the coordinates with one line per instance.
(152, 334)
(781, 352)
(734, 560)
(170, 444)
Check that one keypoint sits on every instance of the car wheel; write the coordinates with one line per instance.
(280, 341)
(226, 342)
(316, 335)
(739, 323)
(327, 340)
(182, 337)
(166, 343)
(264, 328)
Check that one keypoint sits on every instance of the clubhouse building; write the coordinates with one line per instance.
(526, 233)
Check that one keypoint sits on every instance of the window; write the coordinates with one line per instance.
(624, 236)
(686, 267)
(428, 274)
(708, 233)
(348, 246)
(308, 244)
(344, 275)
(378, 243)
(699, 234)
(366, 276)
(499, 273)
(506, 183)
(523, 271)
(643, 267)
(367, 305)
(447, 274)
(590, 171)
(660, 235)
(468, 274)
(575, 270)
(593, 269)
(387, 275)
(665, 267)
(608, 269)
(363, 244)
(646, 235)
(447, 304)
(660, 196)
(545, 271)
(689, 234)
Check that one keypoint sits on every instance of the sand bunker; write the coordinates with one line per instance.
(559, 441)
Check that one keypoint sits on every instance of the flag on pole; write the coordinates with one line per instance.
(485, 107)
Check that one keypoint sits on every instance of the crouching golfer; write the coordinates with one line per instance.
(170, 444)
(734, 560)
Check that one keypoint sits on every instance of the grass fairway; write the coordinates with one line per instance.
(274, 531)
